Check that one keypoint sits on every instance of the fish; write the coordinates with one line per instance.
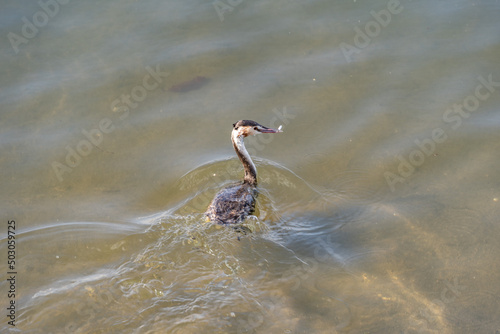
(193, 84)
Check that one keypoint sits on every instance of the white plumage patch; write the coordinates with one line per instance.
(238, 140)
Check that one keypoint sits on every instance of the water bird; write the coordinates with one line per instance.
(233, 204)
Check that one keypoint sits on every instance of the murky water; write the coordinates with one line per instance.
(379, 203)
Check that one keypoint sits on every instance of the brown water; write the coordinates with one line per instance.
(379, 203)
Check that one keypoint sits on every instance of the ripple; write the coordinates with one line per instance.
(64, 230)
(464, 228)
(358, 187)
(66, 285)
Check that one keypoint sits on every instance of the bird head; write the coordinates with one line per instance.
(250, 128)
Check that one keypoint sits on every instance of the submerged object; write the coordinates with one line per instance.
(186, 86)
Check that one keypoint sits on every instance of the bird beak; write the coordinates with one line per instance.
(263, 129)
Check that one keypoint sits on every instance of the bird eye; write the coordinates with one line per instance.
(255, 128)
(236, 128)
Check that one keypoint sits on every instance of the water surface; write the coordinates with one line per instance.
(379, 203)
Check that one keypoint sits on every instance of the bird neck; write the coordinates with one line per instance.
(241, 151)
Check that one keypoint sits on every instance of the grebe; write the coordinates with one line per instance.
(231, 205)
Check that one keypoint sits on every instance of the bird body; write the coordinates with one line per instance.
(233, 204)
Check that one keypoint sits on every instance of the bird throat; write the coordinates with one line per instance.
(241, 151)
